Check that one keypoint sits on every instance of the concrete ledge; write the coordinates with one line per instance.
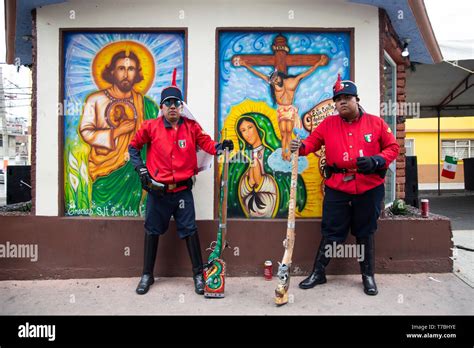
(93, 248)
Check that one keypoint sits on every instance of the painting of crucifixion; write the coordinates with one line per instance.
(274, 86)
(283, 87)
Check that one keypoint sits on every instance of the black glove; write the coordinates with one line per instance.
(157, 187)
(226, 144)
(295, 144)
(145, 177)
(370, 164)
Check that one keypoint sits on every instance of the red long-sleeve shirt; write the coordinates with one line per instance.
(171, 153)
(344, 141)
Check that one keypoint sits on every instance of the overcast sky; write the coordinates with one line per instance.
(452, 24)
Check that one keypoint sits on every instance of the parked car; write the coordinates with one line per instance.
(2, 177)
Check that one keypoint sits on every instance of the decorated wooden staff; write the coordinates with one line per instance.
(281, 291)
(214, 273)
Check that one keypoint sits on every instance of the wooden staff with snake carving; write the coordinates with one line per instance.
(284, 268)
(214, 273)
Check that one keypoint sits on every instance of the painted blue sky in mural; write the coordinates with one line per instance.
(237, 83)
(168, 50)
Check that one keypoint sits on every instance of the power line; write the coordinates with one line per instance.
(16, 106)
(12, 96)
(14, 114)
(10, 81)
(13, 99)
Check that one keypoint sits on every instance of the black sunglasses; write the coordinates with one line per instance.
(176, 102)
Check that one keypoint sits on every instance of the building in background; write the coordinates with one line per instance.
(15, 116)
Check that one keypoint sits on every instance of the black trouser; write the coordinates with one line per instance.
(343, 211)
(159, 210)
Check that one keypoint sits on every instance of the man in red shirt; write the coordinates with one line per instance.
(359, 148)
(171, 163)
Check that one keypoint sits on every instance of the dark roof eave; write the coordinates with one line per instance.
(417, 6)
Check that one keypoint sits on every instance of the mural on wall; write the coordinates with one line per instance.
(112, 83)
(274, 86)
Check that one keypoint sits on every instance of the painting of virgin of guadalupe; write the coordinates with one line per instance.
(259, 190)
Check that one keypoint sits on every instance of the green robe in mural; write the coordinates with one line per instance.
(120, 192)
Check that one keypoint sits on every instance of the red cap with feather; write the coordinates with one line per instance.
(343, 87)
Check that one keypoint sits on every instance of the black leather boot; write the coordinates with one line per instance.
(194, 249)
(318, 275)
(151, 245)
(367, 266)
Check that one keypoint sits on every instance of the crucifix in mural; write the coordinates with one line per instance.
(271, 86)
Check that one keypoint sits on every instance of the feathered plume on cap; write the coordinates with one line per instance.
(343, 87)
(173, 81)
(338, 85)
(172, 91)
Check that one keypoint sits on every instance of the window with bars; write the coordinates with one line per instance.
(462, 148)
